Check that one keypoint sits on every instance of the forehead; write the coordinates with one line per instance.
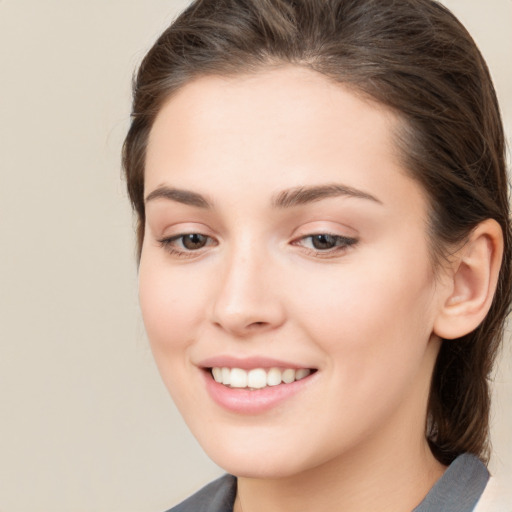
(304, 110)
(273, 130)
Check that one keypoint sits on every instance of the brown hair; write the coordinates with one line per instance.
(413, 56)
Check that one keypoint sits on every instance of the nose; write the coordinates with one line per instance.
(247, 301)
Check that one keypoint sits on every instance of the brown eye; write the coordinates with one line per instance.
(324, 242)
(189, 244)
(194, 241)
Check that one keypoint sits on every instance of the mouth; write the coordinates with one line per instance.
(255, 385)
(258, 378)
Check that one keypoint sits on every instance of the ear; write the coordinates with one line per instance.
(471, 282)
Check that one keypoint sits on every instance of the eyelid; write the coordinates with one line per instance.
(170, 241)
(177, 229)
(327, 226)
(346, 238)
(167, 244)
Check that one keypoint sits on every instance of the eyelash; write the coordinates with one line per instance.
(341, 244)
(169, 245)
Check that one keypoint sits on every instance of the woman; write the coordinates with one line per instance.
(324, 245)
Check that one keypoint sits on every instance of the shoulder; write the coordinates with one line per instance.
(497, 497)
(217, 496)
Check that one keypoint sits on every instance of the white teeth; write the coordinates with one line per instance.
(274, 377)
(217, 374)
(238, 378)
(288, 376)
(257, 378)
(300, 374)
(226, 376)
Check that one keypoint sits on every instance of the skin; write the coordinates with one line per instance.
(363, 315)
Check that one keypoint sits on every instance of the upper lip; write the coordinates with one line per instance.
(248, 363)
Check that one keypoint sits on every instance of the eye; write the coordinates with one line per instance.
(193, 241)
(186, 243)
(325, 243)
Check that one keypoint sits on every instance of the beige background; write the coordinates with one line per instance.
(86, 424)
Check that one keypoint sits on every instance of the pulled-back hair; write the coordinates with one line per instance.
(416, 58)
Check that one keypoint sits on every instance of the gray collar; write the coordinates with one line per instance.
(459, 489)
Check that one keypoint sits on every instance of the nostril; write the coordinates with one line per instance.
(258, 324)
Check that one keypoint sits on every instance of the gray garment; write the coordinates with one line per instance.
(458, 490)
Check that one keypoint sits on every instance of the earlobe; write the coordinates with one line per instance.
(472, 282)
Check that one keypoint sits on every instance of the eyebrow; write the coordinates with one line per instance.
(286, 199)
(180, 196)
(304, 195)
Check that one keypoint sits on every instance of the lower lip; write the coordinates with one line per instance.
(245, 401)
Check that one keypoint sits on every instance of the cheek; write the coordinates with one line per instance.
(171, 309)
(170, 303)
(375, 331)
(373, 316)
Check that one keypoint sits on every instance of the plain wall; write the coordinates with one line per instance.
(86, 424)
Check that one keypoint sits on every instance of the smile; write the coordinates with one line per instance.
(254, 385)
(257, 378)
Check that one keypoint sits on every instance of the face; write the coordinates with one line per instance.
(285, 280)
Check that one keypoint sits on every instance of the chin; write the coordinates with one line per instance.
(265, 461)
(256, 467)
